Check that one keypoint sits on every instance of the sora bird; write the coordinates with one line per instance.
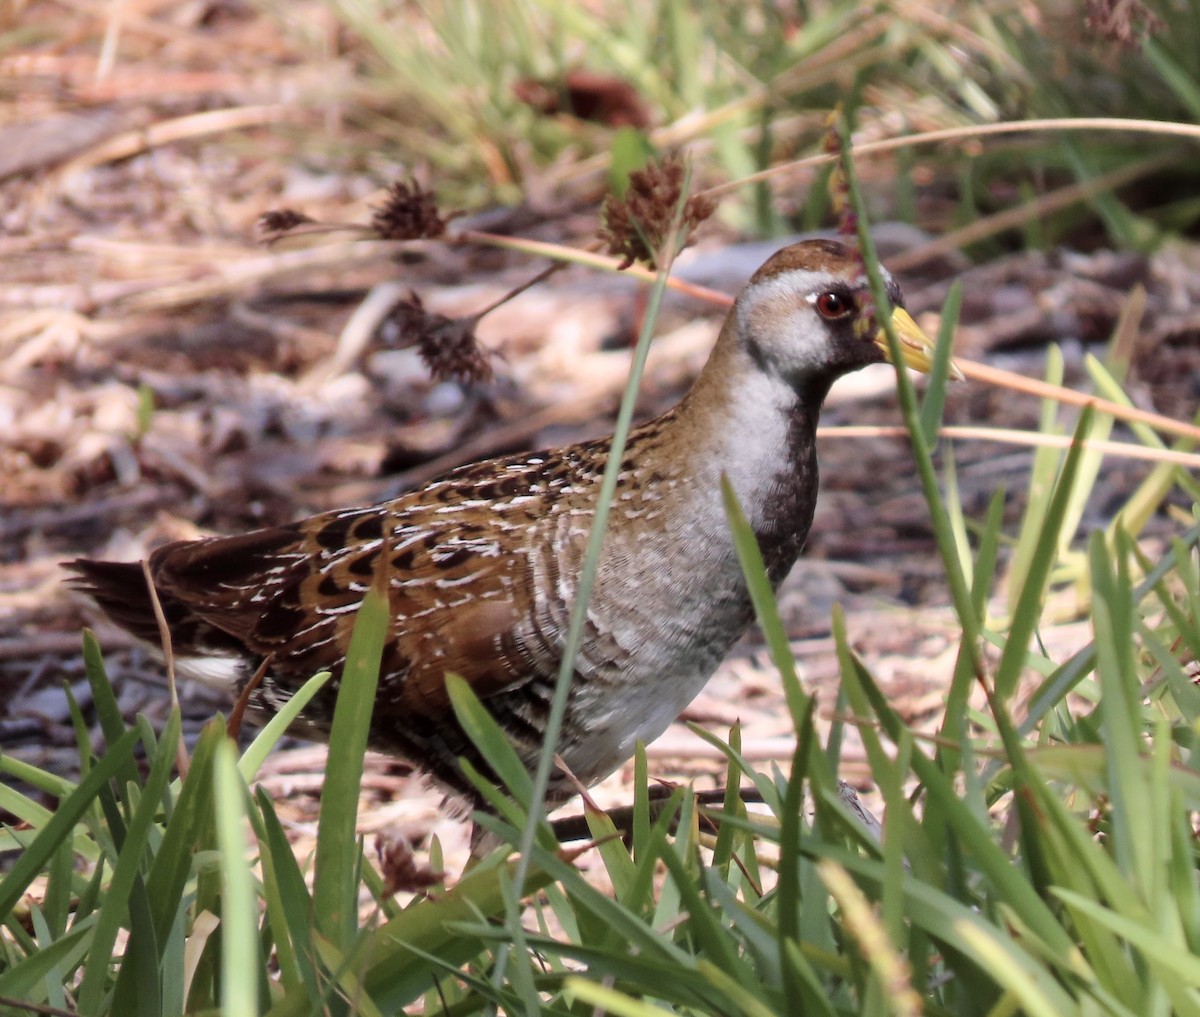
(482, 565)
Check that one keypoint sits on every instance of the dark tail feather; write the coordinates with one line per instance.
(119, 588)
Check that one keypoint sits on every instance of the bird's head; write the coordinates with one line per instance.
(807, 317)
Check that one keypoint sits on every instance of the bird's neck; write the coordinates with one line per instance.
(742, 422)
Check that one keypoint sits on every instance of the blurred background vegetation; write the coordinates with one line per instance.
(480, 97)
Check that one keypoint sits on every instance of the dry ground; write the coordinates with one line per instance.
(162, 374)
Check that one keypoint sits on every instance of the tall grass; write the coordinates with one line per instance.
(749, 88)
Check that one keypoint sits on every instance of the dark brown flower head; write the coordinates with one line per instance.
(839, 184)
(588, 95)
(636, 227)
(409, 213)
(836, 145)
(278, 222)
(401, 871)
(447, 345)
(1124, 22)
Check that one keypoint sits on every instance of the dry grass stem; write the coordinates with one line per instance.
(1164, 128)
(235, 277)
(168, 649)
(166, 132)
(1009, 436)
(976, 371)
(592, 259)
(1039, 208)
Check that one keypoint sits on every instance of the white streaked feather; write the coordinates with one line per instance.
(219, 672)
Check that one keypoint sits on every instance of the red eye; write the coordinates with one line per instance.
(833, 305)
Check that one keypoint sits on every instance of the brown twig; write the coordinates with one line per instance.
(40, 1008)
(1010, 436)
(234, 725)
(164, 636)
(1035, 386)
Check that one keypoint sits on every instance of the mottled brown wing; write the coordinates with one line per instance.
(456, 595)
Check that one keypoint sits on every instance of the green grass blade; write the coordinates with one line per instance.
(619, 865)
(241, 964)
(138, 989)
(763, 597)
(1041, 484)
(104, 702)
(1181, 82)
(266, 739)
(24, 808)
(970, 830)
(586, 580)
(938, 517)
(1027, 608)
(591, 559)
(34, 858)
(1177, 970)
(487, 736)
(901, 822)
(708, 933)
(126, 893)
(732, 804)
(59, 889)
(651, 844)
(1008, 965)
(23, 979)
(1121, 717)
(335, 892)
(168, 874)
(397, 975)
(289, 903)
(963, 681)
(934, 402)
(172, 866)
(48, 783)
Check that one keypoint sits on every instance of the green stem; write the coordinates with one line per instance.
(939, 518)
(587, 580)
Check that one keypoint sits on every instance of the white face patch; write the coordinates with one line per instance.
(778, 316)
(775, 316)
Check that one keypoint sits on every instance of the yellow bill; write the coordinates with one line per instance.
(915, 346)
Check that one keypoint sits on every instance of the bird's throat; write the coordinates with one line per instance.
(760, 433)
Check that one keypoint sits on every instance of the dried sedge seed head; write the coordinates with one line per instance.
(636, 227)
(450, 350)
(839, 198)
(587, 95)
(839, 186)
(278, 222)
(409, 213)
(447, 345)
(1124, 22)
(402, 873)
